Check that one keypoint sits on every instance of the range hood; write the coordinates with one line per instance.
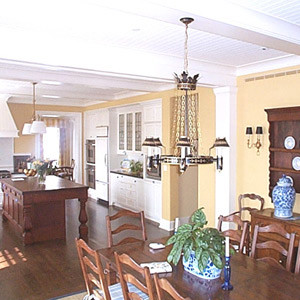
(8, 128)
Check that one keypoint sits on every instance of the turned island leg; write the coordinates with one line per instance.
(83, 229)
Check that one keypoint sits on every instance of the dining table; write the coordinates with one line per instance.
(251, 279)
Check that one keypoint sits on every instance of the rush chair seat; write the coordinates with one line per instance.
(273, 244)
(237, 236)
(127, 279)
(124, 213)
(163, 284)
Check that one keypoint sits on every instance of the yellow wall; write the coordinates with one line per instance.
(253, 97)
(22, 113)
(25, 144)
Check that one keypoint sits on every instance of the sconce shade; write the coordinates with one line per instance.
(157, 142)
(26, 129)
(221, 142)
(259, 130)
(249, 130)
(183, 141)
(38, 127)
(149, 141)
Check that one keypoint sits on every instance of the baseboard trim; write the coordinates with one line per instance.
(102, 202)
(166, 225)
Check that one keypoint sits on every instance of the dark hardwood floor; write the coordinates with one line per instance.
(50, 269)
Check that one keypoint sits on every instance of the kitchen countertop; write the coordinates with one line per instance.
(127, 173)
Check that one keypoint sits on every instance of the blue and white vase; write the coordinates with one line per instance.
(191, 265)
(283, 197)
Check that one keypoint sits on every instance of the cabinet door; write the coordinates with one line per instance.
(114, 185)
(129, 131)
(138, 131)
(121, 132)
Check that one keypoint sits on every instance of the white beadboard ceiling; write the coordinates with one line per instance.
(107, 50)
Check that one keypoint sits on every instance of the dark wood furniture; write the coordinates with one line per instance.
(66, 171)
(266, 217)
(297, 267)
(162, 284)
(125, 214)
(93, 272)
(271, 244)
(251, 279)
(252, 198)
(236, 235)
(125, 260)
(37, 211)
(283, 122)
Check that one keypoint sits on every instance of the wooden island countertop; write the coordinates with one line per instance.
(37, 210)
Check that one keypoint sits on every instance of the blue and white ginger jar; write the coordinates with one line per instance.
(283, 197)
(191, 265)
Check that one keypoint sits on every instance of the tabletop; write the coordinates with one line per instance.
(31, 184)
(251, 279)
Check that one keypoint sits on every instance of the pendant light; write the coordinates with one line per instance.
(35, 126)
(186, 130)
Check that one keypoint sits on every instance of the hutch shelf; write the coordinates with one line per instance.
(283, 122)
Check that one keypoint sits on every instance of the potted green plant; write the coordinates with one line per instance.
(203, 248)
(136, 167)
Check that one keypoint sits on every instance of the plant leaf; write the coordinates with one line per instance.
(199, 216)
(171, 240)
(198, 253)
(217, 261)
(204, 258)
(183, 229)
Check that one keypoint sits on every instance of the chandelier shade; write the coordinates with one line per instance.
(35, 126)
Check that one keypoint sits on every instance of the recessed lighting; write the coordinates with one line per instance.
(136, 29)
(263, 48)
(51, 116)
(51, 96)
(51, 82)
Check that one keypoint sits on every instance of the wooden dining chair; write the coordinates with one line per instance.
(163, 284)
(268, 244)
(132, 287)
(237, 236)
(94, 275)
(297, 267)
(124, 213)
(66, 171)
(253, 198)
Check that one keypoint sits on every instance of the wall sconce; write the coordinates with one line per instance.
(257, 144)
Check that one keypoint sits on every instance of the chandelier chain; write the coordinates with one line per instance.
(185, 67)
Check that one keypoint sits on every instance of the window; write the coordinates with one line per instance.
(51, 143)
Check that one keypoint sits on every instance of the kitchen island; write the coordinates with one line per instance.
(37, 211)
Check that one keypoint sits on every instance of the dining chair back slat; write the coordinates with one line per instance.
(252, 197)
(238, 235)
(126, 226)
(270, 244)
(163, 284)
(93, 273)
(128, 278)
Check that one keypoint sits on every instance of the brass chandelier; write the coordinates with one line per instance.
(186, 125)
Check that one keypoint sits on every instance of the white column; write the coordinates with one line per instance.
(226, 127)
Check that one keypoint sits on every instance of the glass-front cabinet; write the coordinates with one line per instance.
(130, 131)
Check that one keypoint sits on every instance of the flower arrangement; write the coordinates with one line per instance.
(43, 168)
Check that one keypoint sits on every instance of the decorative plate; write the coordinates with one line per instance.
(289, 142)
(296, 163)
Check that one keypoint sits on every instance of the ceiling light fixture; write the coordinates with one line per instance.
(51, 96)
(51, 82)
(34, 126)
(186, 128)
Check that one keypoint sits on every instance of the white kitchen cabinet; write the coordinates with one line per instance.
(152, 198)
(93, 119)
(152, 113)
(129, 131)
(137, 194)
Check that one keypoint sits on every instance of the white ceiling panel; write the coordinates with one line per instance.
(105, 50)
